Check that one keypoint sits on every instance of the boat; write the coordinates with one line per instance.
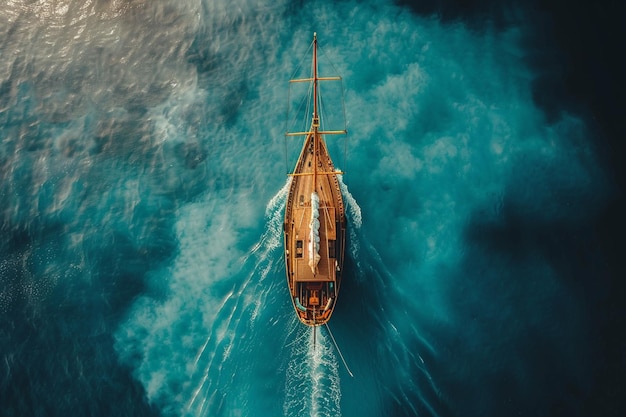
(315, 221)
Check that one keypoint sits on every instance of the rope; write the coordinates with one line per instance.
(339, 351)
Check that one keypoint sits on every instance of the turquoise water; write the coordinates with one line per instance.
(143, 188)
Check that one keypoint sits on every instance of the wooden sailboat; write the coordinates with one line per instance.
(315, 222)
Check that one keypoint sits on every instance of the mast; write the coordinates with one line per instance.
(316, 119)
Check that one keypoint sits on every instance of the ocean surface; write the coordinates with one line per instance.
(142, 192)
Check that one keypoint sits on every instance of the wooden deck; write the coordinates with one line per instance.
(313, 289)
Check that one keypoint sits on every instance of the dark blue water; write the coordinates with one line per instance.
(142, 193)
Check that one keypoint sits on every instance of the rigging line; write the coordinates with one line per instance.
(345, 152)
(323, 124)
(328, 60)
(286, 159)
(343, 105)
(301, 116)
(322, 107)
(323, 110)
(307, 115)
(288, 108)
(345, 129)
(304, 103)
(305, 57)
(287, 128)
(304, 106)
(339, 351)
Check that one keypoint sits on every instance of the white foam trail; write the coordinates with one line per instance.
(354, 210)
(272, 238)
(312, 387)
(215, 296)
(245, 302)
(355, 220)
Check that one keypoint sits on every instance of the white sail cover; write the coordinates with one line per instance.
(314, 236)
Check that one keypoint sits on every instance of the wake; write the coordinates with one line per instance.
(257, 309)
(369, 267)
(312, 387)
(238, 315)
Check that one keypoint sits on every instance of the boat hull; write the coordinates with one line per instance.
(314, 289)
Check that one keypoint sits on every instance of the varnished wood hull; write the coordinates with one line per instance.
(314, 291)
